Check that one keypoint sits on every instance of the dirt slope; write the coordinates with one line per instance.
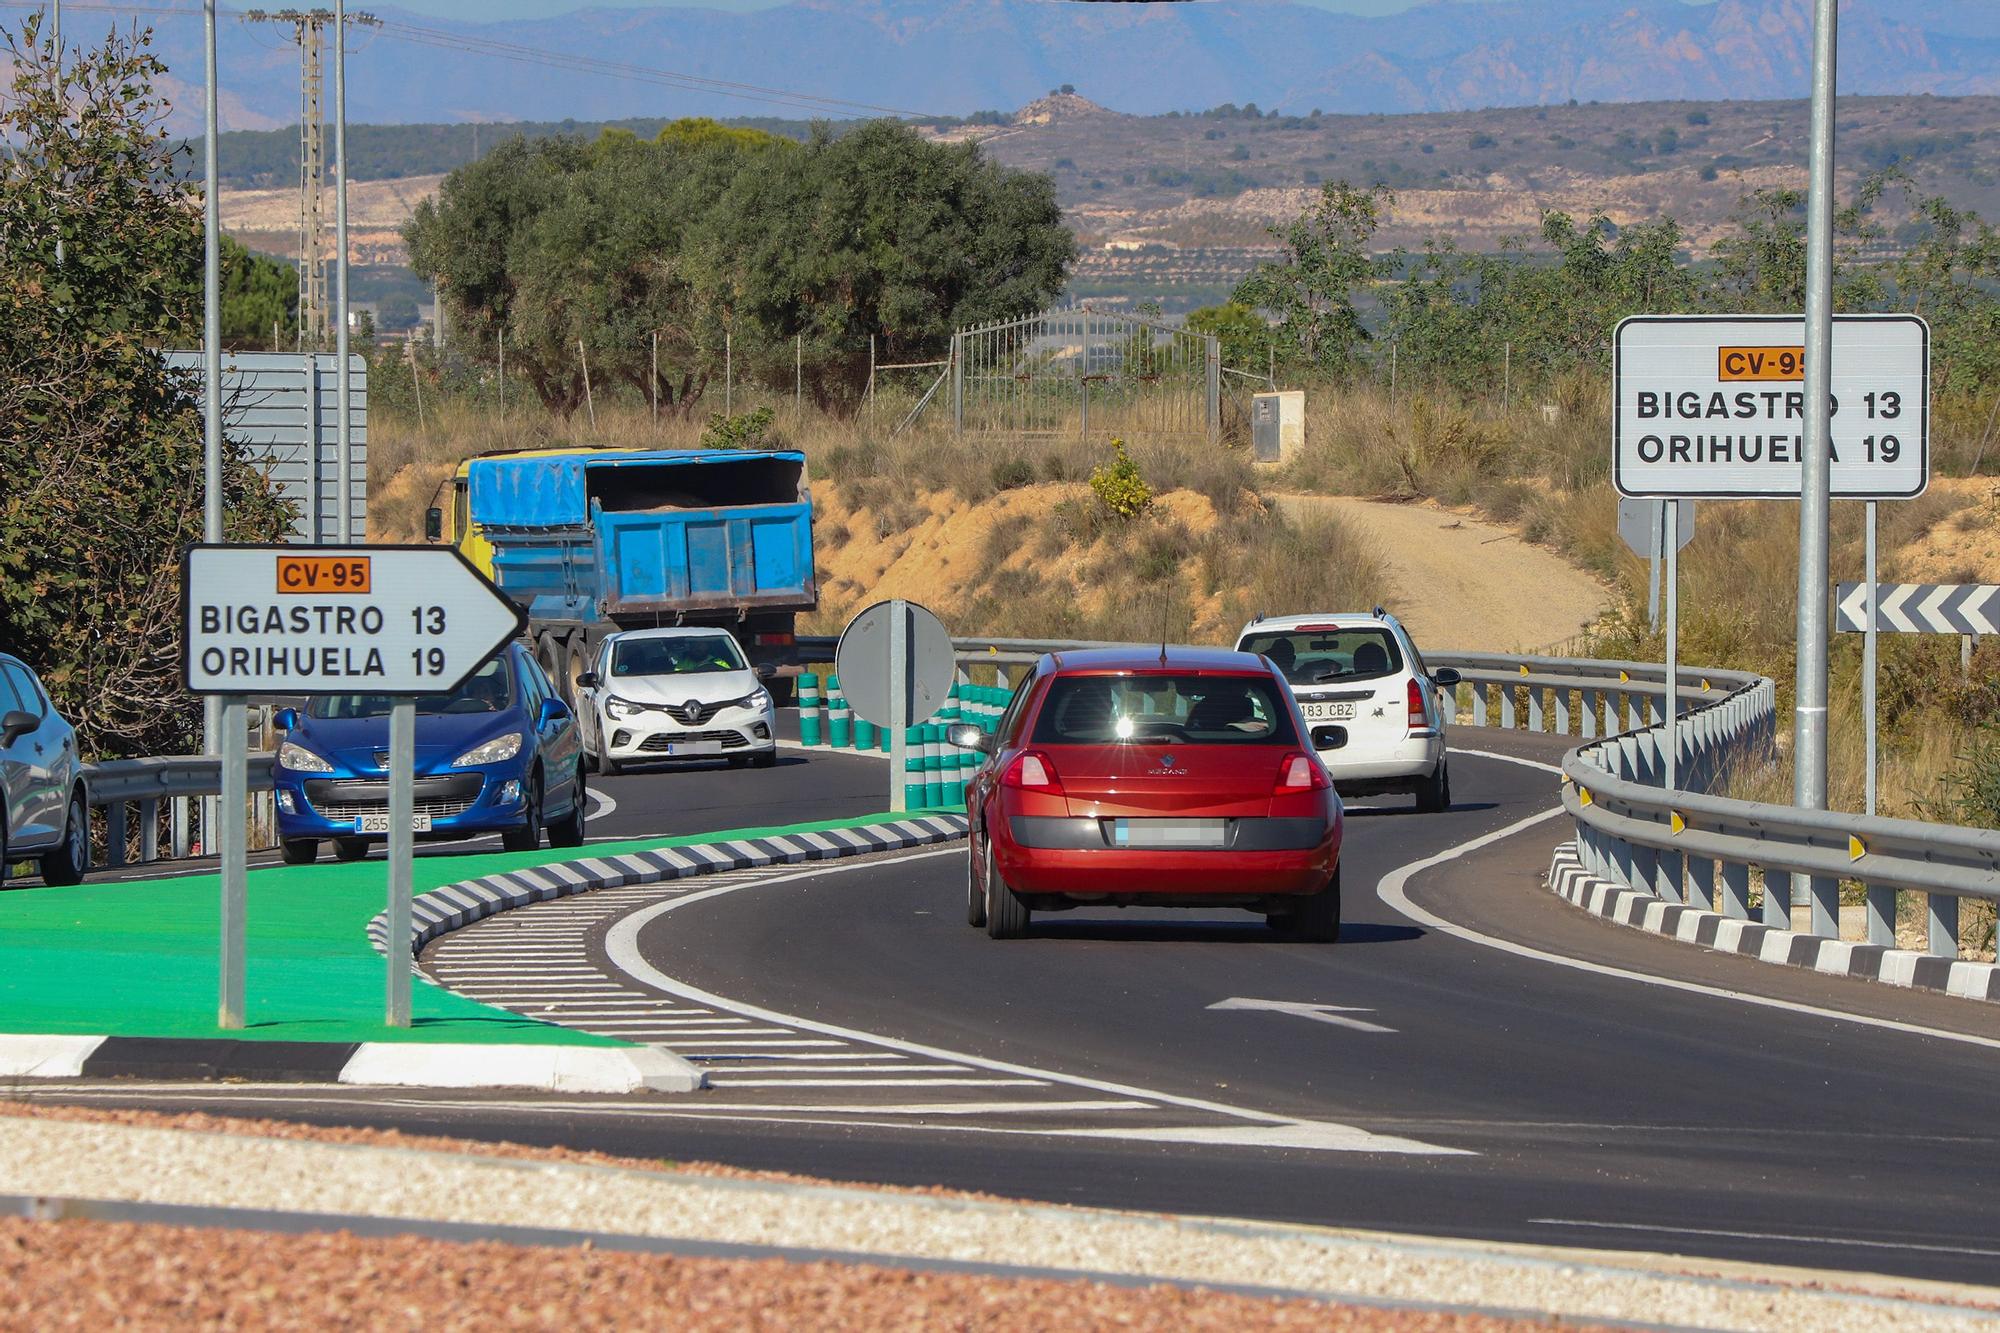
(1463, 583)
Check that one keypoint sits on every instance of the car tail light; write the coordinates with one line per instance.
(1033, 772)
(773, 640)
(1419, 720)
(1301, 772)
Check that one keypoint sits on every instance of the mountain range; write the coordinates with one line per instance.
(953, 57)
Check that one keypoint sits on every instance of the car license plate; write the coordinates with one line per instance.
(379, 823)
(692, 748)
(1328, 712)
(1170, 834)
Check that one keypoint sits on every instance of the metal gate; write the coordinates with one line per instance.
(1083, 373)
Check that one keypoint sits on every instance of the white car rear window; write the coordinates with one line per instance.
(1325, 656)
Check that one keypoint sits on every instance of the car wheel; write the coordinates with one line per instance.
(739, 761)
(349, 849)
(570, 832)
(1006, 915)
(608, 766)
(528, 837)
(1316, 920)
(975, 902)
(67, 862)
(764, 759)
(300, 851)
(1435, 793)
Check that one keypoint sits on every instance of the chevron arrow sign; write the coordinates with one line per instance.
(1921, 608)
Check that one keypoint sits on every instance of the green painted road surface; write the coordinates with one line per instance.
(138, 958)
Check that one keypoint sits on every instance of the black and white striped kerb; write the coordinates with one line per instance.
(1713, 930)
(1921, 608)
(444, 910)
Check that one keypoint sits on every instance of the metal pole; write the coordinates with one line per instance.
(655, 381)
(346, 506)
(899, 705)
(402, 809)
(1809, 711)
(437, 316)
(1670, 779)
(871, 381)
(235, 858)
(798, 378)
(1654, 559)
(728, 373)
(1868, 660)
(589, 405)
(211, 362)
(501, 334)
(958, 386)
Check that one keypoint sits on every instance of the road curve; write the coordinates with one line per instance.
(1597, 1087)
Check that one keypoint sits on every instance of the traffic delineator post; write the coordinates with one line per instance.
(810, 729)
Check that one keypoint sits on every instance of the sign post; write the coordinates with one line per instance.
(896, 667)
(401, 621)
(1659, 529)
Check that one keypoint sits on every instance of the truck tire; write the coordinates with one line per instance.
(784, 690)
(549, 655)
(576, 658)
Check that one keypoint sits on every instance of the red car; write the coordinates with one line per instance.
(1182, 777)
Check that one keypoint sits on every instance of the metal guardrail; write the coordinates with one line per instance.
(123, 787)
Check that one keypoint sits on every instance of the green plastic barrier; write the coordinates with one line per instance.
(810, 726)
(839, 721)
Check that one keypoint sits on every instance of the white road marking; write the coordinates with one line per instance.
(1318, 1013)
(1838, 1241)
(1392, 889)
(1270, 1129)
(601, 803)
(729, 1081)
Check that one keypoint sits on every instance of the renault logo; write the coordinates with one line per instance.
(1167, 760)
(691, 710)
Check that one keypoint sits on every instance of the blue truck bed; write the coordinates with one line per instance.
(649, 537)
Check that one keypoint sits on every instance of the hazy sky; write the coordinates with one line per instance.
(517, 9)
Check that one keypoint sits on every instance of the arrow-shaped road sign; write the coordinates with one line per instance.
(1918, 608)
(397, 620)
(1318, 1013)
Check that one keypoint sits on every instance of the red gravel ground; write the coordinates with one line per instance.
(120, 1275)
(100, 1275)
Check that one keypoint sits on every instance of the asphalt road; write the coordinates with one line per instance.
(1738, 1110)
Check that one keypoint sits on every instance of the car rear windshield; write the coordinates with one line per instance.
(1171, 709)
(1320, 656)
(486, 692)
(683, 655)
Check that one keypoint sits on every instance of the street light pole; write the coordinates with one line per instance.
(1809, 708)
(211, 361)
(346, 445)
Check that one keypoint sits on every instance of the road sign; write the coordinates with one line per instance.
(1715, 407)
(400, 620)
(1921, 608)
(864, 661)
(1639, 524)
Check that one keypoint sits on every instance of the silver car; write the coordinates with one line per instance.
(41, 781)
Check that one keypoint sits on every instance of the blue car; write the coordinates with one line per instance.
(500, 754)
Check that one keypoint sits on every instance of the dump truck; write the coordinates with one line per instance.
(588, 541)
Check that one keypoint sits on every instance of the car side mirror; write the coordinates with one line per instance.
(434, 525)
(1446, 677)
(286, 719)
(588, 680)
(968, 737)
(766, 671)
(1329, 738)
(16, 725)
(553, 710)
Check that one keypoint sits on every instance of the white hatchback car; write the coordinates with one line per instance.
(678, 693)
(1371, 702)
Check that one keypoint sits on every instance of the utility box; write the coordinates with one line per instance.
(1277, 425)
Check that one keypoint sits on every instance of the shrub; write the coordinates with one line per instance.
(851, 462)
(744, 430)
(1119, 487)
(1012, 473)
(1971, 795)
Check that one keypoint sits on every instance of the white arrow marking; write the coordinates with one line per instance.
(1854, 609)
(1318, 1013)
(1931, 609)
(1975, 607)
(1890, 612)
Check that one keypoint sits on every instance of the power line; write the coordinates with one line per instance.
(534, 55)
